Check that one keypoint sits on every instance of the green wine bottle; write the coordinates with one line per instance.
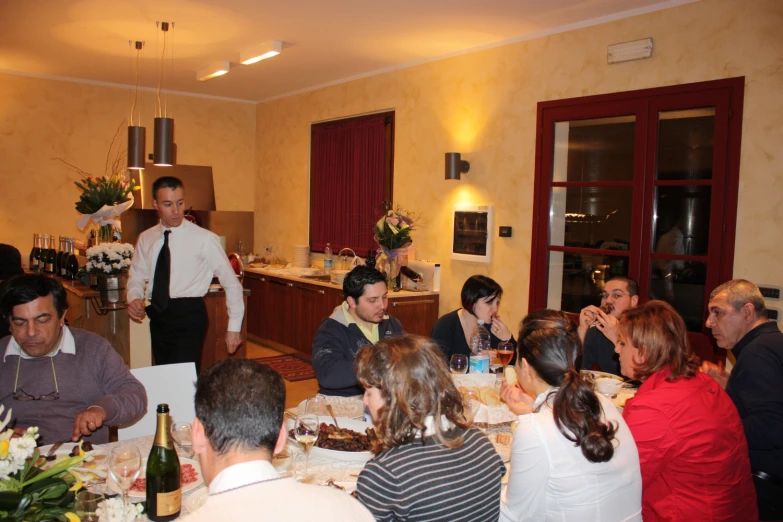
(164, 490)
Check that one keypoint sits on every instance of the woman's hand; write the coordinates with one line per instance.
(519, 402)
(499, 329)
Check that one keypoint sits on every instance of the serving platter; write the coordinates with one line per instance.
(142, 494)
(345, 456)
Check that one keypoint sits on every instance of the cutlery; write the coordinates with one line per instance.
(331, 412)
(50, 455)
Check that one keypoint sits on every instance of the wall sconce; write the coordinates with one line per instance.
(261, 52)
(212, 71)
(625, 52)
(455, 165)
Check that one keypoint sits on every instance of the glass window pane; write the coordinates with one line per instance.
(681, 284)
(591, 217)
(681, 223)
(576, 280)
(685, 144)
(594, 150)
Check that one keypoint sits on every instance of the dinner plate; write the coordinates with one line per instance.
(345, 456)
(143, 494)
(344, 407)
(94, 463)
(598, 375)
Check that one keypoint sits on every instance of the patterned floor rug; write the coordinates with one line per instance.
(291, 368)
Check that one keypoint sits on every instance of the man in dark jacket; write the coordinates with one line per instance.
(359, 321)
(738, 320)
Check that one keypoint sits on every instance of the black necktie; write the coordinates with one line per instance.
(161, 279)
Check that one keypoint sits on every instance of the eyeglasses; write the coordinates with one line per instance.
(22, 395)
(615, 295)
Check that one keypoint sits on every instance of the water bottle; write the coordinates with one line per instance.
(479, 349)
(328, 258)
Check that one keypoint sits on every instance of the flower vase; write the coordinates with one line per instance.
(391, 278)
(112, 290)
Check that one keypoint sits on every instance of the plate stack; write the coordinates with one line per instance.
(338, 276)
(301, 255)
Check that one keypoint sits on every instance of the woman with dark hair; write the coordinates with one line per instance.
(573, 457)
(480, 301)
(692, 447)
(429, 464)
(10, 265)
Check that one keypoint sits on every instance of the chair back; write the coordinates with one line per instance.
(173, 384)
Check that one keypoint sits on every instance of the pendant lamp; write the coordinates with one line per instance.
(137, 135)
(163, 143)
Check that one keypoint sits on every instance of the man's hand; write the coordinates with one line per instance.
(607, 324)
(88, 421)
(587, 317)
(233, 340)
(519, 402)
(718, 373)
(136, 310)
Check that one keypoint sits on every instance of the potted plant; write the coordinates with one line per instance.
(108, 263)
(392, 232)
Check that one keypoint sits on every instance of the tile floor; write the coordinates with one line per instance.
(296, 392)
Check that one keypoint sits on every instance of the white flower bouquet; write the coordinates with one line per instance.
(109, 258)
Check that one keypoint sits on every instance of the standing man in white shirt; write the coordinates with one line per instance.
(178, 259)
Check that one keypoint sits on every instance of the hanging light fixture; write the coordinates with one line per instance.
(163, 150)
(137, 135)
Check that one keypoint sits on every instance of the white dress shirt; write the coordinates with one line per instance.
(551, 480)
(196, 256)
(66, 345)
(253, 491)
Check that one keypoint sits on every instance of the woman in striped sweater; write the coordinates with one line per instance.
(429, 464)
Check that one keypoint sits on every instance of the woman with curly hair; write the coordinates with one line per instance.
(429, 464)
(573, 457)
(692, 447)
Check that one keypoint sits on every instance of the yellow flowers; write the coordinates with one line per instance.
(4, 448)
(72, 517)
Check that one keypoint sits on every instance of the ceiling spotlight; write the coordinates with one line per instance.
(212, 71)
(261, 52)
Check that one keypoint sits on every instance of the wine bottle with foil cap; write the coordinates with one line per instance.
(164, 489)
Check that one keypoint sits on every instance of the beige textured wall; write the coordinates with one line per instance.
(41, 119)
(483, 104)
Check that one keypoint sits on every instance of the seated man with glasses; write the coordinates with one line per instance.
(598, 326)
(67, 381)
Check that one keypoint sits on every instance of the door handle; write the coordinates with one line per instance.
(308, 289)
(395, 304)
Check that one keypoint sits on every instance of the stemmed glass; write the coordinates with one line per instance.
(306, 433)
(317, 405)
(124, 468)
(505, 353)
(459, 363)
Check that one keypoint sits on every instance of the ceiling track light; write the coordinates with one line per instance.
(261, 52)
(212, 71)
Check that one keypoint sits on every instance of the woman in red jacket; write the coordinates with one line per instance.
(692, 448)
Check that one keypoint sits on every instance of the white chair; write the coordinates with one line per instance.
(173, 384)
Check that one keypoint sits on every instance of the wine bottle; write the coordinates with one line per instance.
(35, 254)
(61, 257)
(72, 263)
(49, 260)
(164, 491)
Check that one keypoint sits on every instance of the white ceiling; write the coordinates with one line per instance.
(325, 41)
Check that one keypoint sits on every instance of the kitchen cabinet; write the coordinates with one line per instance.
(286, 313)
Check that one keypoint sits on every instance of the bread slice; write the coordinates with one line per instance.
(511, 375)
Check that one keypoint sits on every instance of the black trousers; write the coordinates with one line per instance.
(178, 333)
(770, 499)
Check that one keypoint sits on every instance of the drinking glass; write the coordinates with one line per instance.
(471, 403)
(124, 468)
(306, 433)
(182, 433)
(86, 505)
(459, 363)
(317, 406)
(505, 353)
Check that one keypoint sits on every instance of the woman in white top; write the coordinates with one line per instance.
(573, 457)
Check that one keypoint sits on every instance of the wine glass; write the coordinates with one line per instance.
(182, 433)
(459, 364)
(505, 353)
(124, 468)
(306, 433)
(86, 505)
(317, 405)
(471, 403)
